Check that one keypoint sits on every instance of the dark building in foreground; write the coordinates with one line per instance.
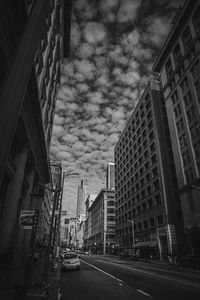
(145, 179)
(179, 66)
(31, 49)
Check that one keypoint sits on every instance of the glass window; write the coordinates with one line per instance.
(196, 19)
(177, 54)
(151, 222)
(187, 38)
(160, 220)
(169, 68)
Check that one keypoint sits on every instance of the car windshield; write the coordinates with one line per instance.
(70, 255)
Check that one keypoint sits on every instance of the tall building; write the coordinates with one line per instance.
(145, 179)
(81, 198)
(80, 213)
(87, 225)
(179, 66)
(31, 49)
(99, 234)
(110, 179)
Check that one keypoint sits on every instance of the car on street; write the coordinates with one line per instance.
(70, 261)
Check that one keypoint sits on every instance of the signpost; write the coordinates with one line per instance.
(27, 219)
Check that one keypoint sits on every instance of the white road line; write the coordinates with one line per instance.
(100, 270)
(144, 293)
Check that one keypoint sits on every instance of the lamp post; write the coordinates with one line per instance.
(133, 232)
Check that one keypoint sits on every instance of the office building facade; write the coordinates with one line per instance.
(179, 66)
(99, 231)
(145, 179)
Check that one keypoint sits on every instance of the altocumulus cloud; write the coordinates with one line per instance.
(113, 44)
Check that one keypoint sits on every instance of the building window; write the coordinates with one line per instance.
(186, 157)
(145, 224)
(110, 210)
(139, 226)
(183, 141)
(189, 175)
(151, 222)
(187, 38)
(144, 206)
(184, 85)
(187, 99)
(177, 111)
(180, 125)
(195, 70)
(177, 54)
(197, 149)
(175, 97)
(169, 68)
(158, 199)
(190, 114)
(194, 130)
(150, 203)
(160, 220)
(196, 19)
(111, 218)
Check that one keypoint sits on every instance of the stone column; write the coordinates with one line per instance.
(8, 221)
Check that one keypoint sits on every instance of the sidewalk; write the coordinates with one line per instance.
(37, 289)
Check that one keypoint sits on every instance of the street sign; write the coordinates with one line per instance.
(27, 218)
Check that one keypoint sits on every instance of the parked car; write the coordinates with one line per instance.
(70, 261)
(62, 253)
(130, 253)
(190, 260)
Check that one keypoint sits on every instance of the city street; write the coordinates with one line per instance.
(111, 278)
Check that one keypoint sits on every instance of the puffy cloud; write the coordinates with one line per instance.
(113, 44)
(157, 30)
(85, 68)
(94, 33)
(128, 11)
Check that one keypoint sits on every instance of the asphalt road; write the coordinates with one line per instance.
(112, 279)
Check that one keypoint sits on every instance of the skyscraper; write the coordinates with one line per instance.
(179, 66)
(110, 178)
(81, 198)
(146, 186)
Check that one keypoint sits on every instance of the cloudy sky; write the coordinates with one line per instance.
(113, 46)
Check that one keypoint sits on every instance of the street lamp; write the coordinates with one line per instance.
(133, 232)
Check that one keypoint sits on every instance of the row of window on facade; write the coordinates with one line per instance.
(145, 224)
(139, 192)
(139, 177)
(186, 40)
(145, 206)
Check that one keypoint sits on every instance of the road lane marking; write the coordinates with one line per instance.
(159, 276)
(144, 293)
(108, 274)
